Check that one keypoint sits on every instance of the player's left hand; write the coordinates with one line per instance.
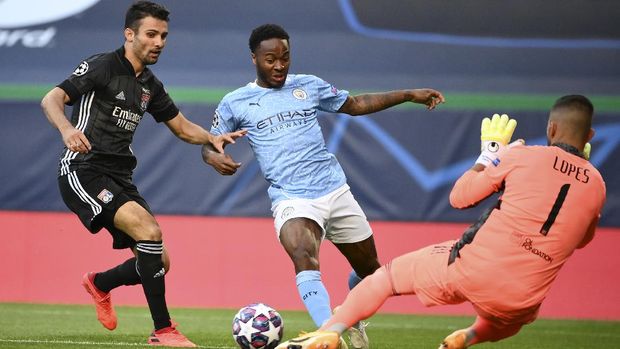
(220, 141)
(427, 96)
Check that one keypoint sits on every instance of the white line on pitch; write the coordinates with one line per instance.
(47, 341)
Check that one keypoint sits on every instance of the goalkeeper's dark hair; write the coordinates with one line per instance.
(266, 32)
(142, 9)
(582, 109)
(578, 102)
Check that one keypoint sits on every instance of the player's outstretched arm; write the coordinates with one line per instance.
(195, 134)
(373, 102)
(473, 186)
(53, 105)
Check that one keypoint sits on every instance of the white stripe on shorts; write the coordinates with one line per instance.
(75, 184)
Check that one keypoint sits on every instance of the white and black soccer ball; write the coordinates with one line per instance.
(257, 326)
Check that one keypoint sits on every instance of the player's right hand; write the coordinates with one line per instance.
(221, 162)
(75, 140)
(427, 96)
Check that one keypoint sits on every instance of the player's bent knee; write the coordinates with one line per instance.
(166, 261)
(305, 262)
(151, 232)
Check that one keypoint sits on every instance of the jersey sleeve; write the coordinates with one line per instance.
(473, 187)
(223, 119)
(90, 74)
(330, 98)
(161, 106)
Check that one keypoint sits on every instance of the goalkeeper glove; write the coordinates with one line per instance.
(495, 133)
(586, 151)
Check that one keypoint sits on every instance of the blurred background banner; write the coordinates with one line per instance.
(512, 57)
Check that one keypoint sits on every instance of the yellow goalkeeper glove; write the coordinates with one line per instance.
(586, 151)
(495, 134)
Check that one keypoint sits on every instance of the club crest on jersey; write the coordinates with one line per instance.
(105, 196)
(300, 94)
(81, 69)
(145, 99)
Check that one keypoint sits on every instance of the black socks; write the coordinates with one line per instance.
(123, 274)
(151, 269)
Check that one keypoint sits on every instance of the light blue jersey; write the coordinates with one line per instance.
(285, 135)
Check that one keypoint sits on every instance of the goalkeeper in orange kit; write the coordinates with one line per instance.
(551, 203)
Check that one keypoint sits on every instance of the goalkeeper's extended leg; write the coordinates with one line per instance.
(481, 331)
(357, 332)
(363, 301)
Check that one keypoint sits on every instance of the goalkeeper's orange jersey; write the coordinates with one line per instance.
(550, 206)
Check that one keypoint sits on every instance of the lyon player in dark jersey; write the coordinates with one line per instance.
(110, 94)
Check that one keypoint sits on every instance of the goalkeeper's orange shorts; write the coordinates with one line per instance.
(426, 273)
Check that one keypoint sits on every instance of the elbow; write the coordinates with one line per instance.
(462, 199)
(456, 196)
(45, 101)
(352, 106)
(355, 112)
(455, 201)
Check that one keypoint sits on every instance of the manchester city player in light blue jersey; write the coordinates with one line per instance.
(308, 188)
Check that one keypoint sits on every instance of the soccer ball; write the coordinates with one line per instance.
(257, 326)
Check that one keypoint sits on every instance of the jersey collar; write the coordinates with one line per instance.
(146, 73)
(569, 149)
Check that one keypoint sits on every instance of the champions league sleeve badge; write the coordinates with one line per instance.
(81, 69)
(216, 120)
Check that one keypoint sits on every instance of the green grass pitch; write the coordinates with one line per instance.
(76, 326)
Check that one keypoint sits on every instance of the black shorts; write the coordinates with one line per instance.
(95, 197)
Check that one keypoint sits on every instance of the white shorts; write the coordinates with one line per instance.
(337, 213)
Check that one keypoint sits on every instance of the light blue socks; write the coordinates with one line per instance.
(314, 295)
(353, 279)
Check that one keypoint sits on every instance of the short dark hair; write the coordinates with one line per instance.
(142, 9)
(266, 32)
(579, 102)
(580, 112)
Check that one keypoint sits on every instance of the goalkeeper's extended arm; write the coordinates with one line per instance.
(495, 134)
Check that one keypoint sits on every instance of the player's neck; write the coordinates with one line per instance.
(136, 63)
(569, 148)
